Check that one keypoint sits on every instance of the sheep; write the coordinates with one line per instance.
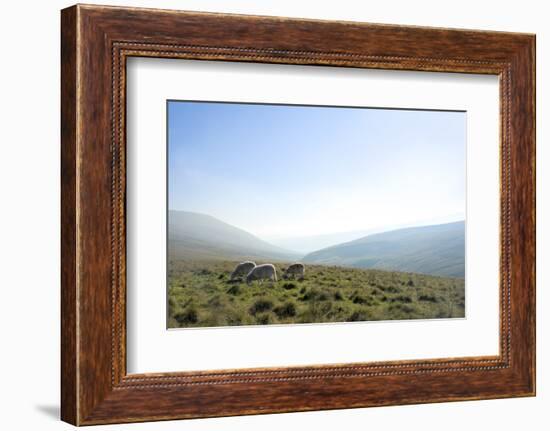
(242, 269)
(296, 270)
(262, 272)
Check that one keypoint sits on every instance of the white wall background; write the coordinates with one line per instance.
(29, 216)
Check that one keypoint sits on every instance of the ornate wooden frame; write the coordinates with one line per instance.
(96, 41)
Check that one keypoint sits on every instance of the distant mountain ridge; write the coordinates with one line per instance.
(199, 236)
(434, 250)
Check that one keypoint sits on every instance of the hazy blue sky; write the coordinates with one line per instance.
(279, 170)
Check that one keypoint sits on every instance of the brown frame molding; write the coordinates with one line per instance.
(95, 42)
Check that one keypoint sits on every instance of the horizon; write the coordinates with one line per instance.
(299, 184)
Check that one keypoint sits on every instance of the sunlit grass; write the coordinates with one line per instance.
(200, 294)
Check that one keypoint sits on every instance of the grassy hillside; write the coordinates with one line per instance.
(200, 295)
(435, 250)
(200, 236)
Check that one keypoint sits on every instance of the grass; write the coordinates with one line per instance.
(200, 294)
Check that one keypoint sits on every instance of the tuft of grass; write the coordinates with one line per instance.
(360, 316)
(190, 315)
(234, 290)
(428, 298)
(361, 299)
(265, 319)
(314, 294)
(260, 305)
(288, 309)
(402, 299)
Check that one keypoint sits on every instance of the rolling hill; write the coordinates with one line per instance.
(434, 250)
(200, 236)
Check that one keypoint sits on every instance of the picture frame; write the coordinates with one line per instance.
(96, 42)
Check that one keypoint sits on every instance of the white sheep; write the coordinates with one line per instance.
(242, 269)
(262, 272)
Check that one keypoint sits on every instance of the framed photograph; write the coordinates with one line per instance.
(263, 214)
(339, 191)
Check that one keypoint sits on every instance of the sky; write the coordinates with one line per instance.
(290, 170)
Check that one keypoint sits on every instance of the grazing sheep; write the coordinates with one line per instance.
(242, 269)
(262, 272)
(296, 270)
